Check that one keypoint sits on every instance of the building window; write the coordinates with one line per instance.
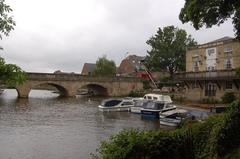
(228, 50)
(211, 51)
(195, 67)
(210, 89)
(195, 85)
(210, 68)
(229, 85)
(196, 61)
(211, 59)
(228, 63)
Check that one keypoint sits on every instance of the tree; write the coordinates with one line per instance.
(238, 72)
(10, 74)
(211, 12)
(104, 67)
(6, 22)
(168, 50)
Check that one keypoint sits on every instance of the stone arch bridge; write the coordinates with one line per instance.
(68, 84)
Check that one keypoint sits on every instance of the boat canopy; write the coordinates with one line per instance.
(175, 111)
(111, 102)
(140, 103)
(159, 97)
(154, 105)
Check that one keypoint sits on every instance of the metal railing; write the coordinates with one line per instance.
(217, 74)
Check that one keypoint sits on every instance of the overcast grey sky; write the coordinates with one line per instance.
(64, 34)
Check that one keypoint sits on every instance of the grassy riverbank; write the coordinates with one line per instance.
(217, 137)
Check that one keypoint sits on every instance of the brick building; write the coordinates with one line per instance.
(130, 65)
(88, 68)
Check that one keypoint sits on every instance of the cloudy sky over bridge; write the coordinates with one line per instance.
(64, 34)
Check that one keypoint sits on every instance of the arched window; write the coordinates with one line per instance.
(210, 89)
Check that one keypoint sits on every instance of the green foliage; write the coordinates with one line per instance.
(11, 74)
(209, 101)
(168, 49)
(229, 136)
(125, 144)
(205, 136)
(233, 155)
(104, 67)
(211, 12)
(146, 84)
(238, 72)
(136, 144)
(179, 98)
(165, 78)
(228, 97)
(234, 106)
(136, 93)
(6, 21)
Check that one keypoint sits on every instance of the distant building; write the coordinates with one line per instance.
(88, 68)
(210, 69)
(130, 65)
(60, 72)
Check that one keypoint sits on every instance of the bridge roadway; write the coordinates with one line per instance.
(69, 84)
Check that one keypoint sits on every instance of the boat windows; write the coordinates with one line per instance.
(112, 103)
(159, 106)
(153, 105)
(140, 103)
(168, 106)
(127, 103)
(149, 97)
(155, 98)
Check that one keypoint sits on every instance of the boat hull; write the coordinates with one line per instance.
(136, 110)
(150, 113)
(169, 122)
(114, 109)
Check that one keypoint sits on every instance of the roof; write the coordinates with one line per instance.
(213, 43)
(130, 64)
(225, 38)
(89, 67)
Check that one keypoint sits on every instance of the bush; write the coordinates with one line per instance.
(209, 101)
(179, 98)
(137, 144)
(136, 93)
(146, 84)
(229, 136)
(228, 97)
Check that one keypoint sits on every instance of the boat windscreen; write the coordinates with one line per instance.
(155, 106)
(111, 103)
(140, 103)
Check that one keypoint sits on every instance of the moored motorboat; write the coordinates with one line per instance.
(138, 105)
(153, 108)
(116, 105)
(157, 97)
(173, 117)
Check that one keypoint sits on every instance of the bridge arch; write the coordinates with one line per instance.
(62, 90)
(95, 89)
(25, 91)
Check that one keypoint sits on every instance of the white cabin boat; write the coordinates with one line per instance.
(138, 105)
(153, 108)
(157, 97)
(116, 105)
(173, 117)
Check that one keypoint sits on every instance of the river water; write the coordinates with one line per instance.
(48, 127)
